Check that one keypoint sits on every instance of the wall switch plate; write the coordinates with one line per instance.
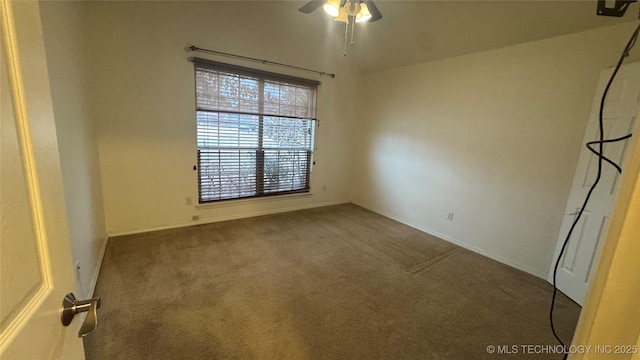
(450, 216)
(187, 200)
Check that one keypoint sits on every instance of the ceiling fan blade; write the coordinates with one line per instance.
(373, 9)
(311, 6)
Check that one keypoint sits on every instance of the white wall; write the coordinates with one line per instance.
(142, 98)
(492, 137)
(62, 26)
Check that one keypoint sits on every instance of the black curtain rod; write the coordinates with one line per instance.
(195, 48)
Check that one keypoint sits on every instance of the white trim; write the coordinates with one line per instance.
(329, 203)
(96, 271)
(230, 217)
(237, 202)
(457, 242)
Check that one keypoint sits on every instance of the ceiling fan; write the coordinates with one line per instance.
(341, 10)
(348, 11)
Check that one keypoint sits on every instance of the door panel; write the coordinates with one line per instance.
(581, 253)
(604, 227)
(569, 257)
(35, 256)
(16, 219)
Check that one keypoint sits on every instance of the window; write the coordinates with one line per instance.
(255, 132)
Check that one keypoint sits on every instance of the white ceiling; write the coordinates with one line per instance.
(418, 31)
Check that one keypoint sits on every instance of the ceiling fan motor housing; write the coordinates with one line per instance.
(352, 7)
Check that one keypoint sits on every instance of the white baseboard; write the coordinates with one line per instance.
(460, 243)
(229, 217)
(96, 271)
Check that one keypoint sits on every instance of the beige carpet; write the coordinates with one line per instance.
(337, 282)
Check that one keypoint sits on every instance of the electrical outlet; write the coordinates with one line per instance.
(195, 217)
(450, 216)
(324, 187)
(187, 200)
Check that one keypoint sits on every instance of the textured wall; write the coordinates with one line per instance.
(492, 137)
(63, 24)
(142, 98)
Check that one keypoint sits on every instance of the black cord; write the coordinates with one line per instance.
(601, 158)
(608, 141)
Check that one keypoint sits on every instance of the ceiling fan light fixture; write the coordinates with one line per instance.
(364, 15)
(332, 7)
(349, 12)
(352, 7)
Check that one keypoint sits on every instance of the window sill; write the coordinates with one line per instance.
(240, 202)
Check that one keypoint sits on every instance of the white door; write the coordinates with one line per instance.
(621, 109)
(35, 254)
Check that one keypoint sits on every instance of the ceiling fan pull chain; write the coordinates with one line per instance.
(346, 35)
(353, 27)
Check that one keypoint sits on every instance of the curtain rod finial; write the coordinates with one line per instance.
(190, 48)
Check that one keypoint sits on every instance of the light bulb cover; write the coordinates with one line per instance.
(364, 15)
(332, 7)
(342, 16)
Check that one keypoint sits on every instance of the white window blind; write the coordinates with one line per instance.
(255, 131)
